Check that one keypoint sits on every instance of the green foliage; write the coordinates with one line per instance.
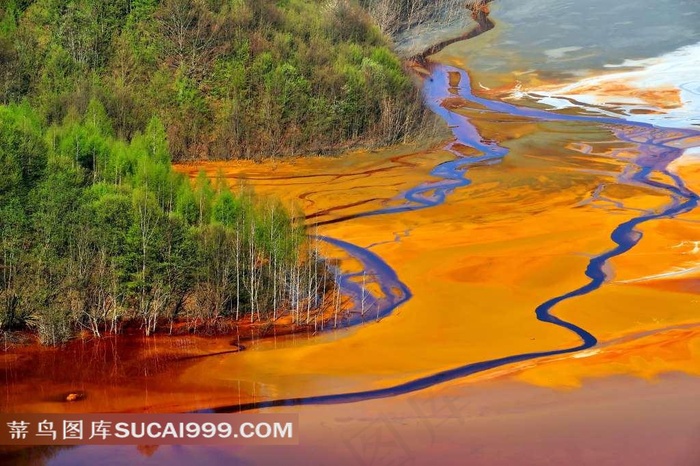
(227, 210)
(96, 231)
(22, 151)
(225, 79)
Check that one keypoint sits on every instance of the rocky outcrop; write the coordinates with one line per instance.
(415, 25)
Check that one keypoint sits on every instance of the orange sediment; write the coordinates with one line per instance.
(477, 265)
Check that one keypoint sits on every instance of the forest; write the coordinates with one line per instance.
(97, 232)
(228, 78)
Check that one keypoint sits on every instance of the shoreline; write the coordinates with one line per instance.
(241, 330)
(480, 13)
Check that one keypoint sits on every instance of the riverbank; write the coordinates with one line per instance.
(417, 25)
(333, 314)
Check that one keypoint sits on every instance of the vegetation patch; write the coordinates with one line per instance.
(234, 78)
(97, 232)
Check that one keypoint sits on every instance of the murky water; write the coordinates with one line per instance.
(567, 36)
(550, 244)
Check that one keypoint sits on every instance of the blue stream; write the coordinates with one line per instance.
(655, 155)
(393, 291)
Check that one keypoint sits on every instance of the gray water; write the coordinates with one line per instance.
(569, 35)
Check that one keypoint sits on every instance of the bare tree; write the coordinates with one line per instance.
(194, 36)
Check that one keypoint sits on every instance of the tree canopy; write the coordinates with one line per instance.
(97, 232)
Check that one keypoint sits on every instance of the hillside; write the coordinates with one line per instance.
(237, 78)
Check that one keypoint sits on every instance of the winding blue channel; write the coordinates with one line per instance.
(393, 291)
(450, 174)
(655, 155)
